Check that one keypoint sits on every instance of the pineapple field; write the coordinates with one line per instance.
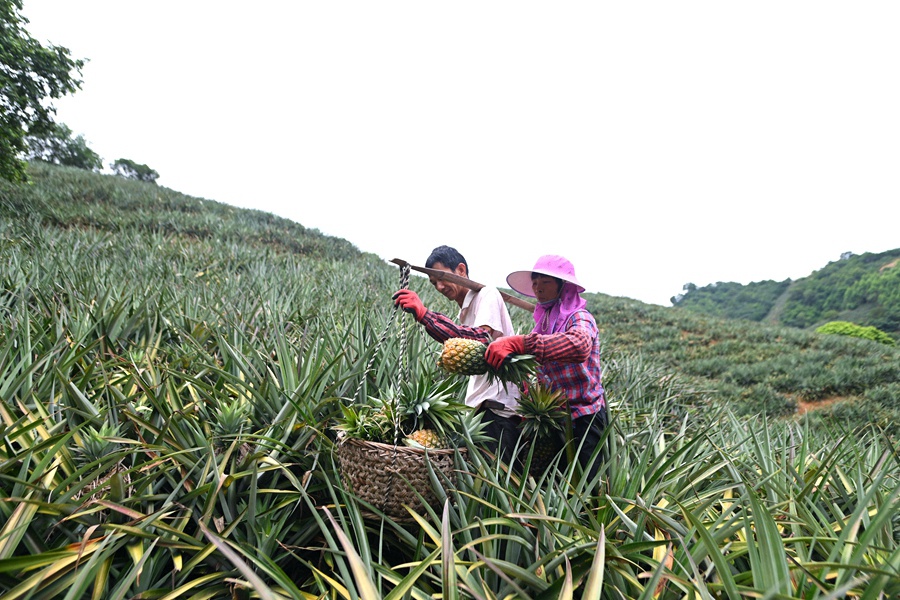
(181, 383)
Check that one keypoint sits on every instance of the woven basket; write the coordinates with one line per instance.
(389, 477)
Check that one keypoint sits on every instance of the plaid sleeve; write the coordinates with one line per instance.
(570, 346)
(442, 328)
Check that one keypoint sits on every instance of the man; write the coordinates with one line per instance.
(482, 316)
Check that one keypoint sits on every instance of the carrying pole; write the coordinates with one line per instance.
(465, 282)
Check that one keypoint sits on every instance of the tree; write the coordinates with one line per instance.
(132, 170)
(59, 148)
(30, 74)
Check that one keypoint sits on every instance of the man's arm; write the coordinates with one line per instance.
(438, 326)
(441, 328)
(491, 332)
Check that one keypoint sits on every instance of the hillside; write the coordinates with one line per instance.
(863, 289)
(69, 198)
(756, 367)
(174, 372)
(759, 368)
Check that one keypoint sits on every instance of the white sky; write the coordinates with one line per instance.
(653, 143)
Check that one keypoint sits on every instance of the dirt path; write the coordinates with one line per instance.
(803, 407)
(774, 316)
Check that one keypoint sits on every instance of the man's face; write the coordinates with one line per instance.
(545, 288)
(454, 292)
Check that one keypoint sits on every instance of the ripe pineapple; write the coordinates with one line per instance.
(543, 413)
(466, 357)
(427, 438)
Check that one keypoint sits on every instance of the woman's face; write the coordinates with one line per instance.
(545, 288)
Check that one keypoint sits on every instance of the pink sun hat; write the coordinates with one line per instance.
(549, 264)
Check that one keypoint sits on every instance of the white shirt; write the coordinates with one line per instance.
(486, 307)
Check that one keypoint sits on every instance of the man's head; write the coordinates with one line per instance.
(445, 258)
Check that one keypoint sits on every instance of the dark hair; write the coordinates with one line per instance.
(447, 256)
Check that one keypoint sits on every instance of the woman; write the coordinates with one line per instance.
(565, 341)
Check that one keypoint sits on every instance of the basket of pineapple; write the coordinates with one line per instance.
(396, 452)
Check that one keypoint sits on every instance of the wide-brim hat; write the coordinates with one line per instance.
(549, 264)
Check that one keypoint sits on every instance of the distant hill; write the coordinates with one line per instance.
(863, 289)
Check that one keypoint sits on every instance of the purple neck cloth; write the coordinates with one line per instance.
(551, 317)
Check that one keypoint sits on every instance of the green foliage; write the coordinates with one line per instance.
(754, 368)
(732, 300)
(68, 198)
(171, 370)
(131, 170)
(58, 147)
(866, 286)
(859, 288)
(30, 75)
(854, 330)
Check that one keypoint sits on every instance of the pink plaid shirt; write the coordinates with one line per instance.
(570, 362)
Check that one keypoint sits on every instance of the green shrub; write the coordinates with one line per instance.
(854, 330)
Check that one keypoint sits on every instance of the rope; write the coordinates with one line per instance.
(402, 359)
(402, 370)
(404, 283)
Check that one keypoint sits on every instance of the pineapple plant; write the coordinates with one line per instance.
(425, 413)
(543, 413)
(230, 421)
(372, 421)
(466, 357)
(98, 447)
(431, 411)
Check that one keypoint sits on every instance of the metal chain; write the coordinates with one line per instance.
(404, 283)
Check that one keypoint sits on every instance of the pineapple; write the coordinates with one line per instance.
(97, 444)
(466, 357)
(427, 438)
(543, 413)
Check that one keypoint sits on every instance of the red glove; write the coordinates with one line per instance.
(409, 301)
(498, 350)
